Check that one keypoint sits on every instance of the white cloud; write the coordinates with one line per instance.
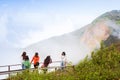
(40, 26)
(31, 27)
(51, 26)
(3, 29)
(27, 19)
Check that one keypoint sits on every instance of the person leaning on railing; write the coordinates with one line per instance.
(46, 62)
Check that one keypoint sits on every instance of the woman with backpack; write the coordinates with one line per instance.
(27, 63)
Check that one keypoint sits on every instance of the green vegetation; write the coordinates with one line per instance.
(118, 22)
(104, 64)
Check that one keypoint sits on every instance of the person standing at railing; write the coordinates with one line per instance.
(23, 59)
(46, 62)
(63, 60)
(27, 63)
(35, 60)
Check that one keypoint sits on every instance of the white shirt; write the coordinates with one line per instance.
(63, 58)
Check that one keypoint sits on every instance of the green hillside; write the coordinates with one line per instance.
(104, 64)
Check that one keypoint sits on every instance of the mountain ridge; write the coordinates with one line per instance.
(82, 42)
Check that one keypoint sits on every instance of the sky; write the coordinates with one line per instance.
(25, 22)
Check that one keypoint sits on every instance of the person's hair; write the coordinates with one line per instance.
(23, 55)
(36, 54)
(63, 53)
(47, 61)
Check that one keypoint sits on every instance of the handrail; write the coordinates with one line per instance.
(20, 64)
(10, 65)
(9, 71)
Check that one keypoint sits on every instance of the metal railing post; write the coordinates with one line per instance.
(9, 70)
(55, 68)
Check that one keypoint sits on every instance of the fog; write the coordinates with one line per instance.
(69, 43)
(77, 44)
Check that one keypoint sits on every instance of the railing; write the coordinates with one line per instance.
(9, 71)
